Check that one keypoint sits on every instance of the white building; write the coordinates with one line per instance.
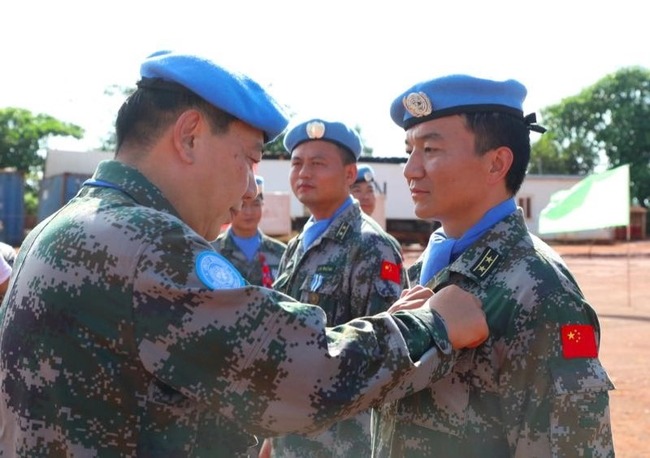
(535, 194)
(395, 203)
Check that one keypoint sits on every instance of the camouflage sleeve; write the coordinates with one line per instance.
(554, 405)
(414, 272)
(421, 319)
(377, 277)
(258, 357)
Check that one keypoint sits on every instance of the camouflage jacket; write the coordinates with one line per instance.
(271, 248)
(116, 339)
(529, 390)
(354, 269)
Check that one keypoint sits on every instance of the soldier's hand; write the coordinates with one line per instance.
(465, 320)
(412, 298)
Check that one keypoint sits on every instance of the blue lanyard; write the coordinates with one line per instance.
(106, 184)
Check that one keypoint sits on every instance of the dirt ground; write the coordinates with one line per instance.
(615, 278)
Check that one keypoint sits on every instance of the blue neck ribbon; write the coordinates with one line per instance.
(248, 245)
(314, 229)
(442, 250)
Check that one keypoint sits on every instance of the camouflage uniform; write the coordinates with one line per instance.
(271, 248)
(515, 395)
(252, 270)
(112, 345)
(342, 273)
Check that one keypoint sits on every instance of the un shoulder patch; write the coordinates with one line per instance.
(216, 272)
(485, 263)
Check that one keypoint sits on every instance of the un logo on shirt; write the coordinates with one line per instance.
(216, 272)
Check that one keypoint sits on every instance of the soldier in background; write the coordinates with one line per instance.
(255, 255)
(364, 189)
(124, 333)
(342, 261)
(535, 387)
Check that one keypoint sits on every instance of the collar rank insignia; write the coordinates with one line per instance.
(342, 231)
(485, 263)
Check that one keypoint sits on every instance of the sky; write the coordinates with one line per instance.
(342, 60)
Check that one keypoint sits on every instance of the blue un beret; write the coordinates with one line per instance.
(227, 90)
(318, 129)
(456, 94)
(365, 173)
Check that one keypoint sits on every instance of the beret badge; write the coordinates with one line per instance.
(367, 176)
(418, 104)
(315, 129)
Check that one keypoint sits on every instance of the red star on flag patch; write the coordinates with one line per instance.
(578, 341)
(390, 271)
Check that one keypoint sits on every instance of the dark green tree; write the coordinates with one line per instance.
(607, 119)
(23, 135)
(276, 148)
(547, 158)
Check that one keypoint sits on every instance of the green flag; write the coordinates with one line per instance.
(600, 200)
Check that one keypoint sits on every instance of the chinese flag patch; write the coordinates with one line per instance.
(578, 341)
(390, 271)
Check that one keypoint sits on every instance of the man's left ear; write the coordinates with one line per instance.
(500, 162)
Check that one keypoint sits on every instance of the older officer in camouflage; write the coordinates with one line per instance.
(125, 334)
(255, 255)
(536, 387)
(342, 261)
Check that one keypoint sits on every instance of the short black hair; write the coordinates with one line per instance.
(155, 105)
(495, 129)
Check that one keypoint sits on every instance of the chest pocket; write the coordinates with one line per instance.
(326, 290)
(444, 405)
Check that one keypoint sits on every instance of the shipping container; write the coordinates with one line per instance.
(57, 190)
(12, 207)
